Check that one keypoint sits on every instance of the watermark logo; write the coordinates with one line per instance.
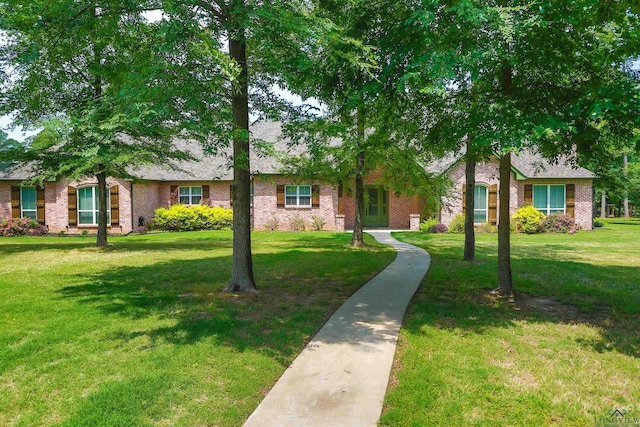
(617, 418)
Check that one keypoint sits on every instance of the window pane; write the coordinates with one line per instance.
(291, 201)
(85, 198)
(195, 200)
(183, 191)
(184, 200)
(480, 197)
(540, 197)
(479, 216)
(291, 190)
(85, 217)
(28, 198)
(29, 214)
(304, 190)
(556, 199)
(196, 191)
(305, 201)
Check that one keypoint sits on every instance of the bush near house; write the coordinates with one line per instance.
(457, 225)
(439, 228)
(427, 224)
(21, 227)
(192, 218)
(559, 223)
(528, 220)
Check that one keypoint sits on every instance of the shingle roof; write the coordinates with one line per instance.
(533, 165)
(219, 167)
(529, 164)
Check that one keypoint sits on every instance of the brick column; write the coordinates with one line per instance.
(340, 222)
(414, 222)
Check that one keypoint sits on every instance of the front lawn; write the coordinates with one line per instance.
(140, 334)
(565, 352)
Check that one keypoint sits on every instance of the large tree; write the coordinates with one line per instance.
(537, 70)
(233, 56)
(84, 71)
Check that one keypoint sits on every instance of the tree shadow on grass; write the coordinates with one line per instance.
(457, 295)
(294, 300)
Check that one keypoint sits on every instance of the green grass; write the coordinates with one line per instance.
(140, 334)
(566, 350)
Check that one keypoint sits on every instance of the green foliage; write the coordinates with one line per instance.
(457, 225)
(189, 218)
(559, 223)
(528, 220)
(597, 223)
(317, 222)
(487, 227)
(427, 224)
(297, 223)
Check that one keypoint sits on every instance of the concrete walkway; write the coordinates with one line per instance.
(341, 376)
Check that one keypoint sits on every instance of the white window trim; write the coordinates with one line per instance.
(95, 212)
(23, 210)
(297, 196)
(190, 195)
(547, 210)
(486, 210)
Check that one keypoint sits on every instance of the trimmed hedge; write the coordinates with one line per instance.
(528, 220)
(191, 218)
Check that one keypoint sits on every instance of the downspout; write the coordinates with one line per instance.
(133, 217)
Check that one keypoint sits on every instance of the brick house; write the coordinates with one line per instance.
(72, 206)
(534, 181)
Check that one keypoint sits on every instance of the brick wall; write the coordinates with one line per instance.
(400, 206)
(488, 174)
(266, 209)
(583, 198)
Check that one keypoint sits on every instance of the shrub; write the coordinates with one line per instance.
(427, 224)
(598, 223)
(297, 223)
(559, 223)
(317, 222)
(190, 218)
(457, 225)
(528, 220)
(22, 227)
(439, 228)
(273, 224)
(487, 227)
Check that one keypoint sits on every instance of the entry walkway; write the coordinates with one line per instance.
(341, 376)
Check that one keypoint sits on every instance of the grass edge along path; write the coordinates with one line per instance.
(566, 352)
(140, 334)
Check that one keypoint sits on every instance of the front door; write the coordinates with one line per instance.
(376, 207)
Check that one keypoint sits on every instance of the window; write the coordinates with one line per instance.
(480, 204)
(28, 202)
(88, 206)
(549, 198)
(190, 195)
(297, 195)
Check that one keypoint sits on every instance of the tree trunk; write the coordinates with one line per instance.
(242, 265)
(603, 205)
(625, 162)
(103, 204)
(470, 179)
(357, 239)
(505, 284)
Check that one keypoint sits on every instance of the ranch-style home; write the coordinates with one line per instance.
(72, 207)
